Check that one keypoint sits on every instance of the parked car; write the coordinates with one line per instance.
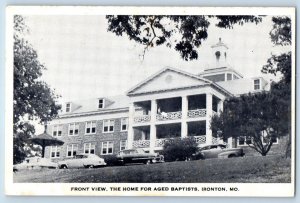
(82, 161)
(217, 151)
(35, 163)
(138, 156)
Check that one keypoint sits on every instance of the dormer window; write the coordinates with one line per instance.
(257, 84)
(101, 104)
(68, 107)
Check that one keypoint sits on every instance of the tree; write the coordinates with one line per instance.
(267, 112)
(281, 36)
(257, 116)
(183, 33)
(32, 98)
(179, 149)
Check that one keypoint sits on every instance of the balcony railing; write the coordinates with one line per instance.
(142, 119)
(141, 144)
(200, 139)
(169, 116)
(161, 142)
(215, 140)
(197, 113)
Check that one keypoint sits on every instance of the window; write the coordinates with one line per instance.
(101, 104)
(124, 124)
(68, 107)
(107, 147)
(90, 127)
(108, 125)
(216, 78)
(73, 129)
(72, 150)
(244, 141)
(218, 54)
(257, 84)
(57, 131)
(54, 151)
(89, 148)
(229, 76)
(123, 144)
(235, 77)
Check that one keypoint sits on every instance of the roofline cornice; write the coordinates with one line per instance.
(91, 113)
(182, 88)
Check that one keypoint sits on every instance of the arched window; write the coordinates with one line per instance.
(218, 54)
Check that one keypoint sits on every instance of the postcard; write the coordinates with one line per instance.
(150, 101)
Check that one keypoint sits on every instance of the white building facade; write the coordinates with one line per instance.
(170, 104)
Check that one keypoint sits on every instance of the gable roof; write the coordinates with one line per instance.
(189, 79)
(195, 81)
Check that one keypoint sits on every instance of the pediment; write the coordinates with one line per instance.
(168, 79)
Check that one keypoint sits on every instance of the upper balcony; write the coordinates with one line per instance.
(173, 109)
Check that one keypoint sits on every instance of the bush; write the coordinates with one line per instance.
(179, 149)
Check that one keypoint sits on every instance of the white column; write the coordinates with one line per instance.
(184, 111)
(209, 114)
(130, 126)
(220, 106)
(229, 140)
(152, 125)
(143, 135)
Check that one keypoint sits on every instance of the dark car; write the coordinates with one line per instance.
(138, 156)
(217, 151)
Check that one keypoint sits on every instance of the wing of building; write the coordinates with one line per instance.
(171, 103)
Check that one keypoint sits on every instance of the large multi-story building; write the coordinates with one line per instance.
(171, 103)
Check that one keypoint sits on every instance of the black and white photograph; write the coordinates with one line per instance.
(161, 101)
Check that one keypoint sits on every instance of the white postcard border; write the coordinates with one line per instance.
(244, 189)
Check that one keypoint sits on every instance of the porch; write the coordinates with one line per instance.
(176, 108)
(167, 132)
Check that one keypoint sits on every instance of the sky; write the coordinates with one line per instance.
(84, 60)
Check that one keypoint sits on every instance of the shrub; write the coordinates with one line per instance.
(179, 149)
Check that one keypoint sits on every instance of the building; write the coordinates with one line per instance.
(171, 103)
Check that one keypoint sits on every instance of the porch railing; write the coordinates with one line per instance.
(215, 140)
(141, 144)
(160, 142)
(200, 139)
(169, 116)
(197, 113)
(142, 119)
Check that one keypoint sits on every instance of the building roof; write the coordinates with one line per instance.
(220, 43)
(219, 70)
(243, 85)
(91, 105)
(121, 102)
(157, 74)
(181, 83)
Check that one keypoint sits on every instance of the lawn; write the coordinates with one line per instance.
(269, 169)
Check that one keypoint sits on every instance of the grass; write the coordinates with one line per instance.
(269, 169)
